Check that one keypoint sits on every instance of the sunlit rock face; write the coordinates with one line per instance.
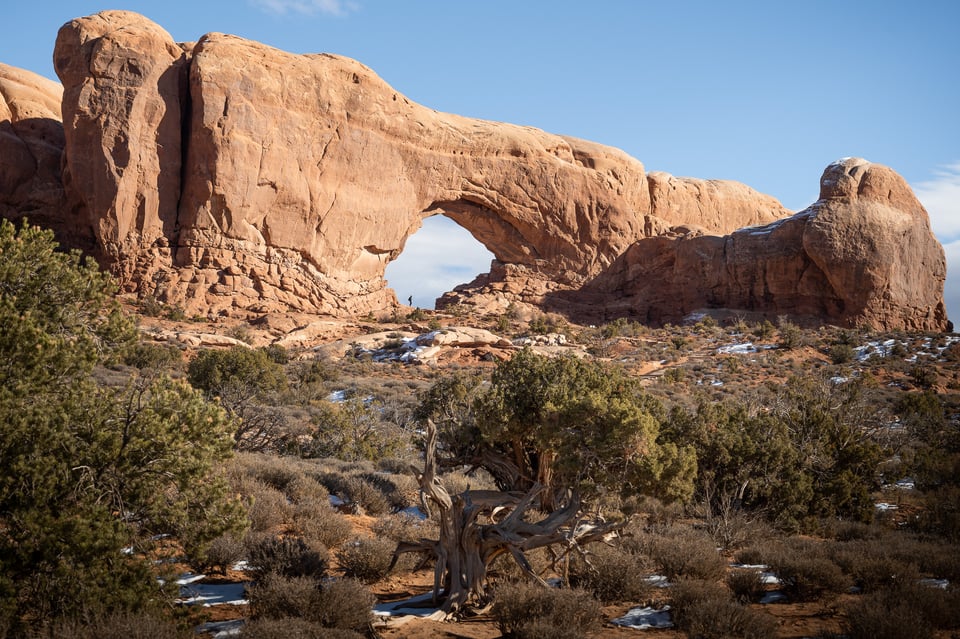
(862, 254)
(225, 175)
(31, 148)
(228, 173)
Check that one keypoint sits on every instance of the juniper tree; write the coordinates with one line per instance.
(88, 470)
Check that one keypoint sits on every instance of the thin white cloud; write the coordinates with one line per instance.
(436, 258)
(941, 197)
(307, 7)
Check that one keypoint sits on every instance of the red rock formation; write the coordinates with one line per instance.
(227, 174)
(304, 175)
(862, 254)
(31, 146)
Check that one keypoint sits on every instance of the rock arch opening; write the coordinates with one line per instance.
(438, 257)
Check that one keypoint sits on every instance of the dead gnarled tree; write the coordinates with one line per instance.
(477, 526)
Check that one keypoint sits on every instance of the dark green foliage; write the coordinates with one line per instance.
(841, 353)
(157, 357)
(561, 422)
(86, 470)
(530, 611)
(807, 458)
(237, 369)
(244, 381)
(790, 334)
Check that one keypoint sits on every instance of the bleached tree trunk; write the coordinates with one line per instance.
(476, 527)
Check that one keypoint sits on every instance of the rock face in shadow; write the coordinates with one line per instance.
(273, 180)
(225, 175)
(863, 254)
(31, 148)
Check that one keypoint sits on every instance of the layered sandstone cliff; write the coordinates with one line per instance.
(226, 174)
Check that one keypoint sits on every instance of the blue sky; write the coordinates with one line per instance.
(767, 93)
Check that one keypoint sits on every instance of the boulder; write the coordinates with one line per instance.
(863, 254)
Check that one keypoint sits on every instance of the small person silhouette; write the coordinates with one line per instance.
(410, 301)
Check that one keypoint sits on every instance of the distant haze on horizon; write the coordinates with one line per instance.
(764, 93)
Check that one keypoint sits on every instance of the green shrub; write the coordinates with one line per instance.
(806, 578)
(345, 604)
(153, 356)
(687, 592)
(287, 556)
(841, 353)
(746, 584)
(530, 611)
(366, 560)
(613, 575)
(222, 552)
(719, 619)
(319, 523)
(687, 554)
(269, 509)
(275, 596)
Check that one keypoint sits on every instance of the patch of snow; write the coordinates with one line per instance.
(836, 381)
(645, 618)
(336, 501)
(220, 629)
(213, 594)
(884, 506)
(337, 397)
(942, 584)
(243, 565)
(413, 511)
(773, 596)
(746, 347)
(418, 606)
(907, 483)
(658, 581)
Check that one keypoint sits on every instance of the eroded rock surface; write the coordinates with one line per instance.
(31, 147)
(274, 180)
(227, 175)
(863, 254)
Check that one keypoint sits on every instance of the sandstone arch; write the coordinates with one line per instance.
(228, 175)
